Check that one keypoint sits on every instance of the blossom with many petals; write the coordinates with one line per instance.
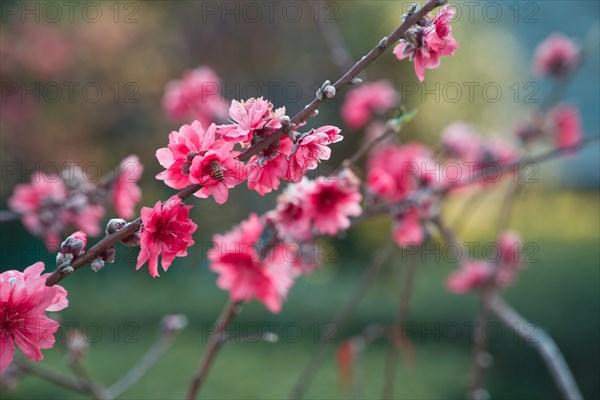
(195, 156)
(425, 45)
(24, 301)
(268, 167)
(368, 99)
(244, 273)
(126, 192)
(250, 117)
(291, 217)
(196, 96)
(310, 149)
(556, 56)
(166, 231)
(330, 203)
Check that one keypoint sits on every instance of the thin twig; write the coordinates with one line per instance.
(53, 376)
(215, 343)
(542, 343)
(366, 280)
(164, 342)
(398, 331)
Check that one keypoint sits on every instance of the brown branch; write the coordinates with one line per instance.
(543, 344)
(366, 280)
(215, 343)
(53, 376)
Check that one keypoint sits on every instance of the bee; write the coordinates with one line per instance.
(216, 171)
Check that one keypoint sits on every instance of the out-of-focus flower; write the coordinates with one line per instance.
(370, 98)
(556, 56)
(510, 263)
(461, 140)
(24, 301)
(428, 41)
(37, 203)
(470, 277)
(126, 192)
(291, 217)
(244, 273)
(167, 231)
(196, 96)
(567, 122)
(408, 230)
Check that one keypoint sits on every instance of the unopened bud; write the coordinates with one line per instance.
(174, 322)
(115, 224)
(285, 121)
(97, 264)
(356, 81)
(131, 240)
(77, 346)
(383, 42)
(74, 244)
(329, 92)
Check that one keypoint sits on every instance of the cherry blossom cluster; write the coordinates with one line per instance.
(51, 205)
(476, 274)
(250, 267)
(207, 157)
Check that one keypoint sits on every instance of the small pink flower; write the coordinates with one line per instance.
(291, 217)
(37, 203)
(24, 300)
(167, 231)
(126, 193)
(425, 45)
(370, 98)
(266, 169)
(556, 56)
(461, 140)
(330, 203)
(250, 117)
(408, 230)
(88, 219)
(567, 123)
(394, 171)
(470, 277)
(243, 273)
(310, 149)
(196, 96)
(510, 261)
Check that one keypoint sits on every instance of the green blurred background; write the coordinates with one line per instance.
(138, 47)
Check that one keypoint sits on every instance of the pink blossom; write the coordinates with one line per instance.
(568, 127)
(394, 171)
(196, 96)
(126, 192)
(242, 271)
(556, 56)
(24, 300)
(370, 98)
(425, 45)
(470, 277)
(310, 149)
(408, 230)
(330, 203)
(194, 156)
(510, 257)
(291, 217)
(461, 140)
(250, 117)
(88, 218)
(167, 231)
(266, 169)
(36, 203)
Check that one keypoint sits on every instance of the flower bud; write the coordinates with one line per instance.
(97, 264)
(173, 322)
(329, 92)
(74, 244)
(114, 225)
